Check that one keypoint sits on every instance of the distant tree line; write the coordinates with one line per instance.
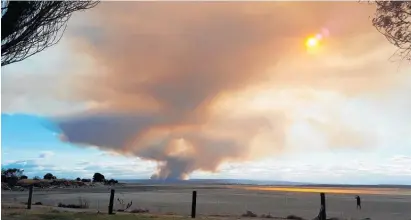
(12, 175)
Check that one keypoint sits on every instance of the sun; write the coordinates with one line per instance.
(311, 42)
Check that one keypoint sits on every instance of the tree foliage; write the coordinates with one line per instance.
(29, 27)
(24, 177)
(12, 172)
(393, 20)
(11, 176)
(49, 176)
(98, 177)
(111, 182)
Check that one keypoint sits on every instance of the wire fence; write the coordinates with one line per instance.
(222, 202)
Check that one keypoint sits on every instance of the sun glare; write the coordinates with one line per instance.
(311, 42)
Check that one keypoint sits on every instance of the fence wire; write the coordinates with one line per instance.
(216, 201)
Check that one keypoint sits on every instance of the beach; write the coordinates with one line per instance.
(233, 200)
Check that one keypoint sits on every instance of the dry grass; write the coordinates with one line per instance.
(52, 214)
(82, 204)
(18, 212)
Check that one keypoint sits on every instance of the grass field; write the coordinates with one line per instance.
(43, 213)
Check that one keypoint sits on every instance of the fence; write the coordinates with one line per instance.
(222, 201)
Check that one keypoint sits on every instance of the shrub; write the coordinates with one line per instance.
(83, 204)
(49, 176)
(111, 182)
(294, 217)
(139, 211)
(124, 207)
(266, 216)
(36, 178)
(24, 177)
(86, 180)
(98, 177)
(78, 179)
(249, 214)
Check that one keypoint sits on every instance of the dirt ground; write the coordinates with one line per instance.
(228, 201)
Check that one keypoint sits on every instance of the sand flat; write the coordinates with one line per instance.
(228, 200)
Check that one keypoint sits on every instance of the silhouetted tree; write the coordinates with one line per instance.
(11, 176)
(29, 27)
(23, 177)
(393, 20)
(111, 182)
(49, 176)
(78, 179)
(98, 177)
(36, 178)
(12, 180)
(12, 172)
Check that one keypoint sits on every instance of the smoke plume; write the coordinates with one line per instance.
(164, 73)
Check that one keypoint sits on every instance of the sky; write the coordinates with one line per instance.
(213, 90)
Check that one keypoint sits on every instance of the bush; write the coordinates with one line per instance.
(85, 180)
(98, 177)
(111, 182)
(124, 206)
(294, 217)
(139, 211)
(49, 176)
(249, 214)
(83, 204)
(24, 177)
(78, 179)
(36, 178)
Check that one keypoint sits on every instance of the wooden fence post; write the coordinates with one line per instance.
(110, 206)
(323, 213)
(30, 196)
(194, 204)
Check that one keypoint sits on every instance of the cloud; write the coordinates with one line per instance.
(176, 83)
(46, 154)
(20, 164)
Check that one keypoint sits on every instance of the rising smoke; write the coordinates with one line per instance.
(163, 71)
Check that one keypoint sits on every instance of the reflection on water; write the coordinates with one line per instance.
(369, 191)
